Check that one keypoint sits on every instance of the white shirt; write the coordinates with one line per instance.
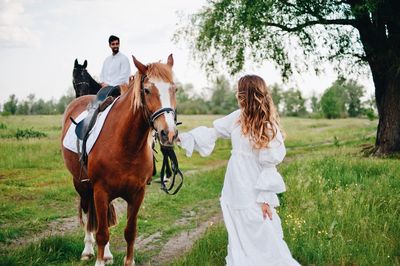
(251, 174)
(116, 70)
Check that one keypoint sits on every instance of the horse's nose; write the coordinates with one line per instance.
(168, 136)
(172, 135)
(164, 135)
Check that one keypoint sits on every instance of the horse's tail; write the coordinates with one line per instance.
(88, 207)
(111, 215)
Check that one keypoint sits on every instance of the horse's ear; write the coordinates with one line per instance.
(85, 64)
(76, 62)
(142, 68)
(170, 60)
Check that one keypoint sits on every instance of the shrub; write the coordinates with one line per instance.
(29, 133)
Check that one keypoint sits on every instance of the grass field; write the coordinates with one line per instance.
(341, 208)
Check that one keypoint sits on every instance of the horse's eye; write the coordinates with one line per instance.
(146, 90)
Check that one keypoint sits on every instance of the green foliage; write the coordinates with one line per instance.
(315, 104)
(31, 106)
(276, 92)
(223, 99)
(343, 99)
(10, 106)
(294, 103)
(234, 32)
(189, 102)
(29, 133)
(336, 141)
(332, 103)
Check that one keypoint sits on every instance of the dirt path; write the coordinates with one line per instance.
(180, 244)
(173, 248)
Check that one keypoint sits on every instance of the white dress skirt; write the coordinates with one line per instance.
(251, 178)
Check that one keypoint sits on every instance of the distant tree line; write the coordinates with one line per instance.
(33, 106)
(342, 99)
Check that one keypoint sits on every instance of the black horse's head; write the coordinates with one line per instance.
(80, 79)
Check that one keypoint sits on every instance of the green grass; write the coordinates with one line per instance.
(207, 251)
(340, 207)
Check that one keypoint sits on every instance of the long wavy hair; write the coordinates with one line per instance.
(259, 118)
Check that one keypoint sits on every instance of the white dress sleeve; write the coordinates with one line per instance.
(202, 139)
(270, 182)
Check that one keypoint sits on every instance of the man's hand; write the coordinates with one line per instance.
(103, 85)
(266, 211)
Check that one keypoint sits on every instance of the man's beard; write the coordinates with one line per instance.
(115, 50)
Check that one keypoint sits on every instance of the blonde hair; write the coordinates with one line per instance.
(155, 70)
(259, 119)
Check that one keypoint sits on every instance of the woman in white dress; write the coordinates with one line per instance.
(248, 197)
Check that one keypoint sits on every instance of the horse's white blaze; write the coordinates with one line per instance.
(163, 89)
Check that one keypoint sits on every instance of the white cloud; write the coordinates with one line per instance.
(14, 26)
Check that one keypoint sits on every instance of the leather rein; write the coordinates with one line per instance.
(170, 167)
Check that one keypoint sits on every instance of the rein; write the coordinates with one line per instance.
(170, 168)
(81, 82)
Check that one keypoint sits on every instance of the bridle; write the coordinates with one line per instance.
(170, 167)
(152, 116)
(80, 82)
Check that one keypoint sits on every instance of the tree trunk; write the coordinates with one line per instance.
(380, 36)
(388, 104)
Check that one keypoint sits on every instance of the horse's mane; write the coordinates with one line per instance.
(155, 71)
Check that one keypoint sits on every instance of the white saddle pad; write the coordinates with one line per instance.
(70, 139)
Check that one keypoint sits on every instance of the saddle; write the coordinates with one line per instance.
(103, 99)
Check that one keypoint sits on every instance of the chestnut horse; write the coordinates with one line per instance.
(120, 163)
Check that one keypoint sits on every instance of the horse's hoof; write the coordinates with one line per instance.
(129, 263)
(109, 261)
(99, 263)
(87, 256)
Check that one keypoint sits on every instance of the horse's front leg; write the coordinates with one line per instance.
(101, 202)
(130, 230)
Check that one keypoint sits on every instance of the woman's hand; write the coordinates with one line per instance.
(266, 211)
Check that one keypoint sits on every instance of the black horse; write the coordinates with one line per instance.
(83, 83)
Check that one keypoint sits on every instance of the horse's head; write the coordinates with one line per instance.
(80, 79)
(158, 97)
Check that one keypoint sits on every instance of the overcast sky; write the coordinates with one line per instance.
(40, 39)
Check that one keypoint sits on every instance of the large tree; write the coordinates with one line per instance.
(299, 34)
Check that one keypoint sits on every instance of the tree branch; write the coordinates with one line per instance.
(350, 22)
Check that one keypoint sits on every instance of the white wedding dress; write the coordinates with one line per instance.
(251, 178)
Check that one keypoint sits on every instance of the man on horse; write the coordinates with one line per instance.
(116, 68)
